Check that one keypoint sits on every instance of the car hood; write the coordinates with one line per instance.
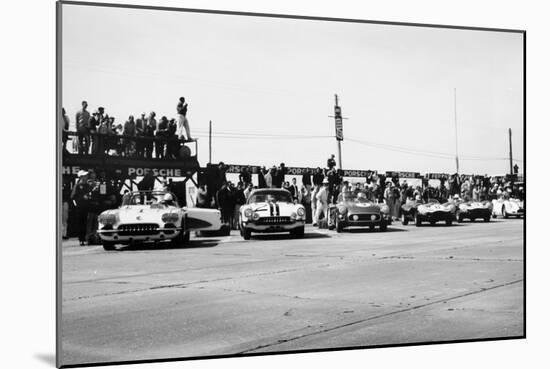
(472, 205)
(359, 207)
(142, 213)
(432, 208)
(267, 209)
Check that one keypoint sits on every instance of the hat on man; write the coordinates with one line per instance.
(81, 173)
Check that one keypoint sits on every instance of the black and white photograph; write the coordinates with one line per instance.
(237, 184)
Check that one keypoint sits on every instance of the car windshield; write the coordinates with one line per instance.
(149, 198)
(275, 196)
(359, 197)
(433, 201)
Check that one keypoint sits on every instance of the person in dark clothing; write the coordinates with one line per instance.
(141, 124)
(172, 144)
(318, 177)
(223, 198)
(294, 191)
(331, 163)
(161, 135)
(82, 121)
(245, 176)
(306, 179)
(148, 134)
(279, 177)
(261, 177)
(239, 200)
(81, 200)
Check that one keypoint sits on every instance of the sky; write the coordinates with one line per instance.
(268, 86)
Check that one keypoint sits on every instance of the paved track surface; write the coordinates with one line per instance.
(274, 293)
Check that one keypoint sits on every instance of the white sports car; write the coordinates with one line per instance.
(153, 216)
(508, 207)
(271, 210)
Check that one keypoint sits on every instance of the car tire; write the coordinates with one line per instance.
(383, 226)
(246, 233)
(181, 239)
(108, 246)
(404, 219)
(449, 222)
(504, 213)
(297, 232)
(417, 220)
(487, 219)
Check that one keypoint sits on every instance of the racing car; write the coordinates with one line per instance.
(271, 210)
(153, 216)
(433, 211)
(474, 210)
(508, 207)
(408, 211)
(355, 210)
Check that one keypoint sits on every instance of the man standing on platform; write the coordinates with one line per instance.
(82, 128)
(183, 123)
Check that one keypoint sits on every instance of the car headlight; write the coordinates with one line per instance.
(248, 213)
(170, 217)
(255, 216)
(342, 210)
(301, 212)
(107, 219)
(293, 216)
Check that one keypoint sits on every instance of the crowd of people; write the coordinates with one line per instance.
(320, 187)
(98, 133)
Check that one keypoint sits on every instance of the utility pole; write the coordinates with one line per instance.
(511, 159)
(456, 137)
(339, 129)
(210, 143)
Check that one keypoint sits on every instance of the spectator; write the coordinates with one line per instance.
(66, 199)
(476, 193)
(331, 163)
(202, 196)
(239, 201)
(183, 123)
(92, 127)
(64, 129)
(245, 176)
(248, 190)
(305, 195)
(269, 177)
(82, 127)
(322, 198)
(306, 179)
(294, 191)
(172, 142)
(279, 177)
(223, 198)
(261, 177)
(80, 196)
(149, 135)
(129, 130)
(318, 177)
(313, 201)
(162, 136)
(141, 124)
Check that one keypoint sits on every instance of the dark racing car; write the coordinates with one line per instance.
(433, 211)
(473, 210)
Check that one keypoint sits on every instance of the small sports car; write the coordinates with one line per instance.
(270, 210)
(508, 207)
(474, 210)
(154, 216)
(433, 211)
(355, 210)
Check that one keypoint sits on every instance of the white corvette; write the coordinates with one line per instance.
(508, 207)
(153, 216)
(271, 210)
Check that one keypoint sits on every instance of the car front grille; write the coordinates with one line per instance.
(273, 220)
(139, 229)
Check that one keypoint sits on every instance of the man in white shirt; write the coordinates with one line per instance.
(322, 202)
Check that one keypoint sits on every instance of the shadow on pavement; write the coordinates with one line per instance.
(390, 229)
(193, 244)
(46, 358)
(286, 236)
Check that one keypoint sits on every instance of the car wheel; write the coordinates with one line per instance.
(449, 222)
(246, 233)
(487, 219)
(404, 219)
(417, 220)
(383, 226)
(181, 239)
(108, 246)
(339, 225)
(504, 213)
(298, 232)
